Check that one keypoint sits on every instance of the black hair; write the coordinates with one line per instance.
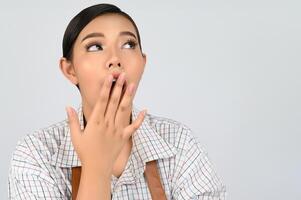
(77, 24)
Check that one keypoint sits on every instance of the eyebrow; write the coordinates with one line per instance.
(98, 34)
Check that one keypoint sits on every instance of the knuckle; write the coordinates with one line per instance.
(114, 130)
(135, 126)
(123, 107)
(107, 123)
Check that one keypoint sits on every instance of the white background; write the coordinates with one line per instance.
(230, 70)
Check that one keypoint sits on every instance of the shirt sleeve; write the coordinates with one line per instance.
(194, 177)
(28, 179)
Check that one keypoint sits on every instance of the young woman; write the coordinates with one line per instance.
(117, 146)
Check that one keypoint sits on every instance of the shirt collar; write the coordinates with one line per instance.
(148, 145)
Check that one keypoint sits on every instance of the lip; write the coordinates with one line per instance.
(116, 74)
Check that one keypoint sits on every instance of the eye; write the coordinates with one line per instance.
(130, 44)
(93, 47)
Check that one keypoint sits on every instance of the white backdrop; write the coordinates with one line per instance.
(230, 70)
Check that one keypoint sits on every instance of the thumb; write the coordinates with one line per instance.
(132, 128)
(74, 125)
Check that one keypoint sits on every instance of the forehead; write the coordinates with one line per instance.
(108, 24)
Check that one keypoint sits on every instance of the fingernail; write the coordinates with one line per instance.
(144, 112)
(132, 89)
(122, 77)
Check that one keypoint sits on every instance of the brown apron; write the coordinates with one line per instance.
(151, 174)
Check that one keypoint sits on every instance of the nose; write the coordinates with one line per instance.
(113, 60)
(113, 65)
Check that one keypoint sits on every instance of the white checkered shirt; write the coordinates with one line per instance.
(42, 161)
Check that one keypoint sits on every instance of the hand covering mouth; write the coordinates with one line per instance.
(115, 77)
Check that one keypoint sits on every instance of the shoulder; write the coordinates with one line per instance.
(177, 133)
(193, 173)
(31, 171)
(35, 149)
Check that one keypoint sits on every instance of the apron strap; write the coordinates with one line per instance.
(151, 174)
(153, 181)
(76, 172)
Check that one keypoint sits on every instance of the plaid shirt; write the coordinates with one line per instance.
(42, 161)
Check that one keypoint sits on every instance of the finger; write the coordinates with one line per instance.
(99, 109)
(132, 128)
(114, 99)
(125, 106)
(74, 125)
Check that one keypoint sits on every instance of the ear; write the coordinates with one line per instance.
(68, 71)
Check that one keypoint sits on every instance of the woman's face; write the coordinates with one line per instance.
(107, 45)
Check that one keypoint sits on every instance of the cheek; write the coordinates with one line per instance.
(87, 75)
(90, 78)
(91, 87)
(89, 83)
(135, 68)
(133, 64)
(89, 69)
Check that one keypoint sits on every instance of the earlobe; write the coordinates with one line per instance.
(144, 61)
(68, 71)
(144, 58)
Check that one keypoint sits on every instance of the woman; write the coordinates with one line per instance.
(112, 140)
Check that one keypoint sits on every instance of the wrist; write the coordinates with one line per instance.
(96, 171)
